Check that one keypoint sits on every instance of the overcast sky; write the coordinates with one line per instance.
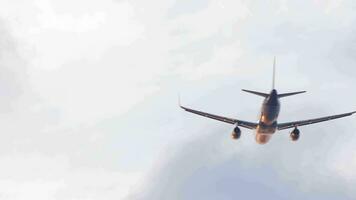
(88, 99)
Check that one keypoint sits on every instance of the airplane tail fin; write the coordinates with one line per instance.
(273, 86)
(256, 93)
(289, 94)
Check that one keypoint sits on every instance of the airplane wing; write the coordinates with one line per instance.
(245, 124)
(311, 121)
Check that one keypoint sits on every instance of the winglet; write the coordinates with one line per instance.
(179, 104)
(274, 73)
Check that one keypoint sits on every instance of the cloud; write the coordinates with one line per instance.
(213, 167)
(65, 44)
(13, 71)
(53, 177)
(41, 157)
(89, 98)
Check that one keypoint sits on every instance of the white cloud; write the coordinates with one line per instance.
(48, 19)
(66, 51)
(36, 176)
(87, 36)
(219, 16)
(90, 68)
(28, 190)
(306, 170)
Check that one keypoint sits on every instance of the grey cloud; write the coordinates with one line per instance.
(312, 45)
(209, 165)
(213, 167)
(186, 7)
(12, 70)
(23, 114)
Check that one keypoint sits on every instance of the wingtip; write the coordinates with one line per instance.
(300, 92)
(351, 113)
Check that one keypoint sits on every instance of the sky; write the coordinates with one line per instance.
(88, 99)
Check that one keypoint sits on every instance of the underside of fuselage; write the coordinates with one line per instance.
(264, 132)
(262, 138)
(268, 120)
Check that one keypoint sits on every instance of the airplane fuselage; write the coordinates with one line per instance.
(267, 124)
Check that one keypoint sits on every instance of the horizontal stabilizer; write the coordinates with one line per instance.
(289, 94)
(256, 93)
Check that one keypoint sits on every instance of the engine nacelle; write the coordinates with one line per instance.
(236, 133)
(294, 135)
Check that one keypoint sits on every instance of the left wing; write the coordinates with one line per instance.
(245, 124)
(311, 121)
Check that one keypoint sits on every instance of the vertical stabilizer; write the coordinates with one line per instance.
(274, 73)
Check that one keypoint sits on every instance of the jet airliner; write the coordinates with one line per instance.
(267, 124)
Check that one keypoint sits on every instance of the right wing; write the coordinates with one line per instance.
(245, 124)
(311, 121)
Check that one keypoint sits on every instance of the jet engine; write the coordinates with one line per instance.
(236, 133)
(294, 135)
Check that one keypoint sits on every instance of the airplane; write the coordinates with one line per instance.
(267, 124)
